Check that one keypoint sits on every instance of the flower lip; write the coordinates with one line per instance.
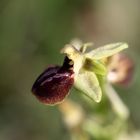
(53, 85)
(49, 72)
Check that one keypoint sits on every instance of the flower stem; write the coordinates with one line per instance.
(119, 107)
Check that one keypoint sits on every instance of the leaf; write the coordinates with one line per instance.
(107, 50)
(95, 66)
(87, 82)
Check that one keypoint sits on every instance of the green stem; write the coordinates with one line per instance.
(119, 107)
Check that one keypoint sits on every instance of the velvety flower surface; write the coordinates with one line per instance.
(53, 85)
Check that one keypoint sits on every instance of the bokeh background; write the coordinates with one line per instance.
(32, 32)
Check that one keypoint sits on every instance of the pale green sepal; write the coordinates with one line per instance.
(107, 50)
(87, 82)
(95, 66)
(102, 80)
(85, 46)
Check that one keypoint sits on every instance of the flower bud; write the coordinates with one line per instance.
(120, 69)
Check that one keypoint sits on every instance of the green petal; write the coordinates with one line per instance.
(85, 46)
(95, 66)
(102, 80)
(107, 50)
(87, 82)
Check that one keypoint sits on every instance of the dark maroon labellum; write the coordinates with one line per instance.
(53, 85)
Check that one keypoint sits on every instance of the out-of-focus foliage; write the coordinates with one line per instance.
(31, 34)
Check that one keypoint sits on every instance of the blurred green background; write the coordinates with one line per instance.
(32, 32)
